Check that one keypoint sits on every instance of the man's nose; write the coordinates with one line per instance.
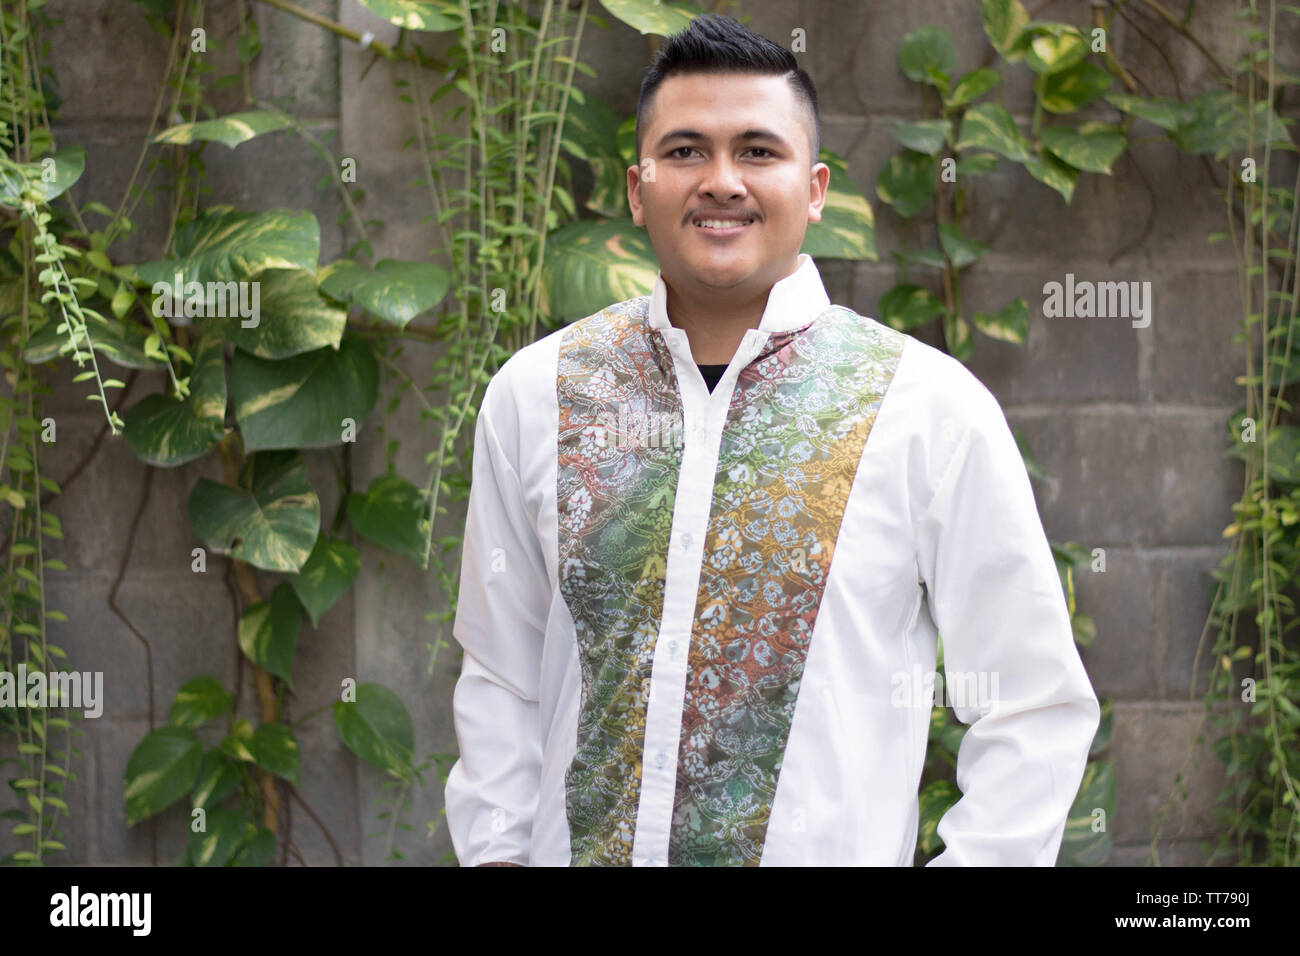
(722, 180)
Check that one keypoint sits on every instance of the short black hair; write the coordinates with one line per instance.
(715, 43)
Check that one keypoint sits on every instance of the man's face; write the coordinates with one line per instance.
(733, 147)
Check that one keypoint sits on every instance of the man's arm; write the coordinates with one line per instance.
(996, 598)
(492, 790)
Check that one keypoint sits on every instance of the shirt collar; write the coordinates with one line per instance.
(792, 303)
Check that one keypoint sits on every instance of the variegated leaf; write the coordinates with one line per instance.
(165, 432)
(1092, 147)
(330, 570)
(652, 16)
(424, 15)
(847, 229)
(377, 727)
(591, 264)
(47, 177)
(990, 126)
(228, 130)
(224, 243)
(271, 520)
(591, 134)
(1087, 840)
(307, 400)
(1009, 324)
(394, 291)
(394, 515)
(292, 317)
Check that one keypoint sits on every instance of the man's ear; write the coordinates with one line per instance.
(634, 194)
(819, 179)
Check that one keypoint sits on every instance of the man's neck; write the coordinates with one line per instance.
(715, 325)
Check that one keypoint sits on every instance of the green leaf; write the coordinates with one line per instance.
(270, 521)
(976, 164)
(377, 728)
(268, 632)
(160, 771)
(224, 243)
(592, 263)
(1004, 21)
(394, 515)
(198, 701)
(591, 134)
(1092, 147)
(258, 850)
(937, 798)
(330, 570)
(1167, 114)
(926, 136)
(48, 177)
(291, 317)
(228, 130)
(927, 53)
(218, 777)
(957, 337)
(1054, 47)
(904, 307)
(304, 401)
(1051, 171)
(961, 250)
(122, 342)
(395, 291)
(1075, 88)
(652, 16)
(164, 432)
(1105, 729)
(847, 229)
(223, 835)
(238, 744)
(1009, 324)
(930, 258)
(972, 86)
(907, 182)
(422, 15)
(989, 126)
(276, 749)
(1220, 123)
(1080, 845)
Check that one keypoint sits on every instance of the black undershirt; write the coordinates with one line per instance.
(711, 374)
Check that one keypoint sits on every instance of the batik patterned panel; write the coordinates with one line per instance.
(795, 431)
(615, 494)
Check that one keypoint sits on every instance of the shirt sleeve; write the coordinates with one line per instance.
(996, 598)
(492, 789)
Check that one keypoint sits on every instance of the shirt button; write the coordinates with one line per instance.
(661, 758)
(653, 862)
(686, 541)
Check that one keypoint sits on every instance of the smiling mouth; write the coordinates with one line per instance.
(721, 226)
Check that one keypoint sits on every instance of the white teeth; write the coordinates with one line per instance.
(721, 223)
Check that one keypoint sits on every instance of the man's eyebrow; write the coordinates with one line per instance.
(748, 135)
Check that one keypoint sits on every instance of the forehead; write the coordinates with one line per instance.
(718, 103)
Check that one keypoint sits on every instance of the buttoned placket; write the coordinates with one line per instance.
(704, 415)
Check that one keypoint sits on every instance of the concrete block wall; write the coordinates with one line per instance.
(1128, 422)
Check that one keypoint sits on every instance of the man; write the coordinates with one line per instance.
(695, 614)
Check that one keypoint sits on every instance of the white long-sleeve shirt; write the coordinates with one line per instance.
(699, 628)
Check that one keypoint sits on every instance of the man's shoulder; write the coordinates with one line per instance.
(930, 383)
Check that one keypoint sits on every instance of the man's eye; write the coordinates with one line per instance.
(689, 148)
